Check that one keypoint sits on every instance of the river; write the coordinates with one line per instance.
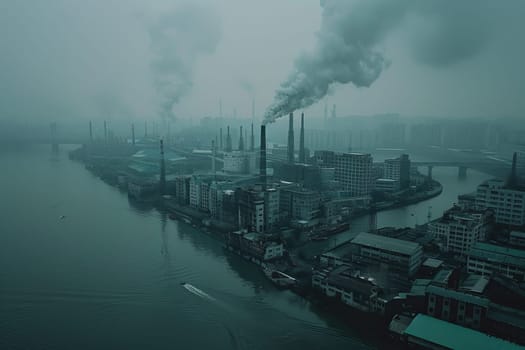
(83, 268)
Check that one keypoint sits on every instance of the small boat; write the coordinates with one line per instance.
(279, 278)
(319, 238)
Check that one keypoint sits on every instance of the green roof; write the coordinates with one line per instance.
(496, 253)
(452, 336)
(386, 243)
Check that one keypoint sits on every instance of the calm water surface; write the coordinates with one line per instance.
(108, 275)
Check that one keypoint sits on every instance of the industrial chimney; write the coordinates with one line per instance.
(262, 164)
(90, 132)
(228, 141)
(290, 140)
(513, 177)
(220, 140)
(162, 183)
(241, 141)
(302, 154)
(133, 134)
(252, 141)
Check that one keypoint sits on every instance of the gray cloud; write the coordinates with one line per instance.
(178, 39)
(347, 49)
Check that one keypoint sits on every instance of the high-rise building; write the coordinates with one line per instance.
(398, 169)
(457, 231)
(354, 172)
(507, 204)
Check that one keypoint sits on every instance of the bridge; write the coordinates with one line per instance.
(489, 165)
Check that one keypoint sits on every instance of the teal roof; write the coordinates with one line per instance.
(452, 336)
(499, 254)
(386, 243)
(457, 295)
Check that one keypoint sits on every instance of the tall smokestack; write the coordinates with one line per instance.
(241, 141)
(302, 154)
(105, 132)
(162, 184)
(262, 164)
(228, 140)
(253, 108)
(145, 129)
(220, 139)
(290, 140)
(513, 177)
(213, 155)
(252, 141)
(90, 132)
(133, 134)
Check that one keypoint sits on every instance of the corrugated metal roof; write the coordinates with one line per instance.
(498, 254)
(386, 243)
(452, 336)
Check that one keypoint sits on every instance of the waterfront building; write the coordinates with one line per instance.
(300, 204)
(251, 210)
(386, 185)
(489, 259)
(398, 169)
(425, 332)
(199, 193)
(354, 172)
(182, 189)
(457, 231)
(255, 246)
(350, 288)
(508, 204)
(399, 256)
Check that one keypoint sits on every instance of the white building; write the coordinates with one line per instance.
(487, 259)
(458, 231)
(354, 172)
(398, 169)
(235, 162)
(386, 185)
(507, 204)
(400, 255)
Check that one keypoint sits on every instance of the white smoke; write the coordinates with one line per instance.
(347, 44)
(178, 40)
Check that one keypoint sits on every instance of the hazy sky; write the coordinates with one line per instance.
(131, 58)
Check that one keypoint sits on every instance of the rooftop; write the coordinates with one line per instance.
(386, 243)
(451, 336)
(497, 253)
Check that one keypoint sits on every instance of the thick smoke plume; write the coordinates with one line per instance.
(178, 40)
(347, 44)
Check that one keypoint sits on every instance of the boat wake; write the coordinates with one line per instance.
(194, 290)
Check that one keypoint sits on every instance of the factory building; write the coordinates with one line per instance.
(489, 259)
(505, 198)
(354, 172)
(398, 169)
(457, 231)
